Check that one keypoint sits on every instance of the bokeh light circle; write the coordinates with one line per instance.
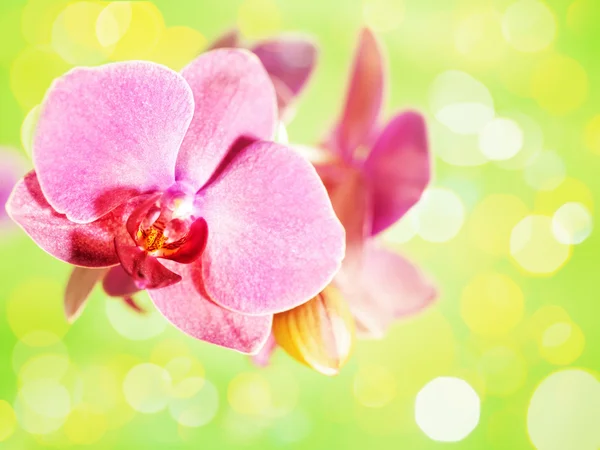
(534, 247)
(440, 214)
(447, 409)
(249, 394)
(533, 141)
(492, 304)
(570, 190)
(113, 22)
(403, 230)
(572, 223)
(383, 15)
(562, 343)
(563, 412)
(132, 324)
(546, 171)
(374, 386)
(8, 420)
(460, 102)
(592, 134)
(197, 407)
(147, 388)
(500, 139)
(529, 25)
(37, 305)
(559, 84)
(479, 37)
(492, 221)
(503, 369)
(85, 426)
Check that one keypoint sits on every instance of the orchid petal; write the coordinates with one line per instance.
(388, 288)
(108, 133)
(146, 271)
(263, 357)
(274, 239)
(364, 98)
(187, 307)
(288, 58)
(12, 168)
(118, 283)
(398, 169)
(81, 284)
(87, 245)
(235, 100)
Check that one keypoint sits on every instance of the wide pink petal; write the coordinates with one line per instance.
(364, 98)
(235, 101)
(81, 284)
(274, 240)
(388, 288)
(289, 58)
(107, 133)
(118, 283)
(186, 306)
(398, 169)
(229, 39)
(87, 245)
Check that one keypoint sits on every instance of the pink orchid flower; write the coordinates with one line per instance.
(172, 179)
(289, 59)
(374, 175)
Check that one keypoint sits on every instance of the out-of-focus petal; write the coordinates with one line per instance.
(87, 245)
(351, 201)
(275, 241)
(108, 133)
(187, 307)
(230, 39)
(235, 100)
(263, 357)
(289, 58)
(118, 283)
(146, 271)
(319, 333)
(388, 288)
(80, 286)
(398, 169)
(364, 98)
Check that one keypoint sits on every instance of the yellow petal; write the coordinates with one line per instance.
(318, 333)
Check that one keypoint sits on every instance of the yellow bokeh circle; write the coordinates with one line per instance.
(85, 426)
(8, 420)
(492, 304)
(374, 386)
(249, 394)
(559, 84)
(570, 190)
(534, 247)
(258, 18)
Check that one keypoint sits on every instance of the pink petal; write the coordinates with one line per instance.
(80, 286)
(12, 168)
(263, 357)
(186, 307)
(230, 39)
(388, 288)
(398, 169)
(288, 58)
(110, 132)
(118, 283)
(364, 98)
(146, 271)
(275, 241)
(235, 100)
(87, 245)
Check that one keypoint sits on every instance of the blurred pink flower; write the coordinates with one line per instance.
(289, 59)
(374, 174)
(172, 177)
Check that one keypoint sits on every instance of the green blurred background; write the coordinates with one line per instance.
(511, 92)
